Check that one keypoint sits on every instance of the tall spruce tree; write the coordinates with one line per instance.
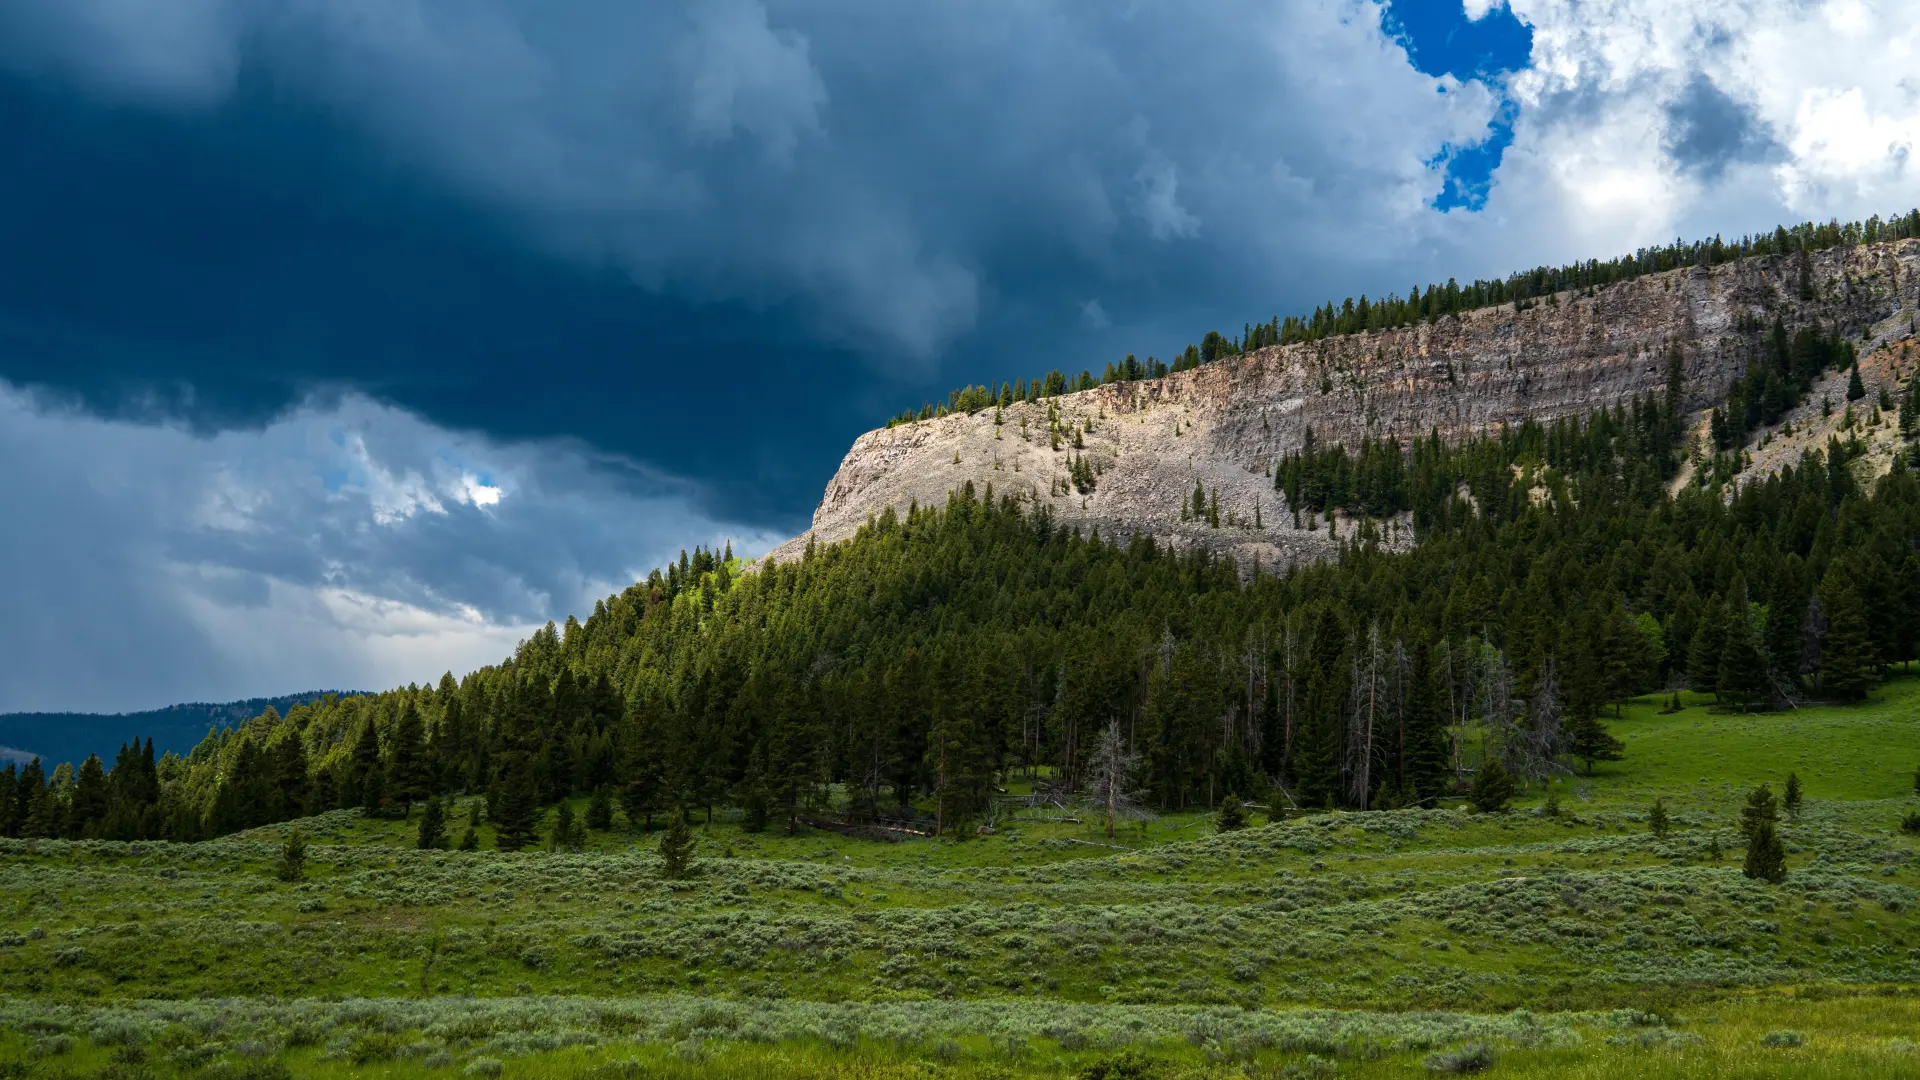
(433, 825)
(1847, 669)
(676, 849)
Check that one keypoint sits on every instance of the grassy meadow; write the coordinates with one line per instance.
(1401, 943)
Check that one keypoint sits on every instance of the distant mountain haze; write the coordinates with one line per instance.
(55, 737)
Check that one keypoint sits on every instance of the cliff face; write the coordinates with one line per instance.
(1224, 424)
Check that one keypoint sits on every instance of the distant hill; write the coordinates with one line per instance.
(55, 737)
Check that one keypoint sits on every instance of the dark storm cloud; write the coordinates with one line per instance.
(1707, 130)
(280, 274)
(786, 220)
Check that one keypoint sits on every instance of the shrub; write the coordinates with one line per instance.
(1782, 1039)
(1492, 787)
(1911, 823)
(484, 1066)
(1467, 1059)
(1658, 823)
(1126, 1065)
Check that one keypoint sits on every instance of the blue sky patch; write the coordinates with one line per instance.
(1441, 40)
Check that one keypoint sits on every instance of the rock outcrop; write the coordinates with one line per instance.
(1224, 425)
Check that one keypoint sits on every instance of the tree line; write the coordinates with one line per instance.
(1522, 289)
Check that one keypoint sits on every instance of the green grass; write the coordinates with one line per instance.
(1033, 951)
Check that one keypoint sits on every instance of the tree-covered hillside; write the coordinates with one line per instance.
(905, 674)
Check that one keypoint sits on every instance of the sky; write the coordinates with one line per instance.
(344, 342)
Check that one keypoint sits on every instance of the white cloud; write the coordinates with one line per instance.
(1823, 91)
(145, 564)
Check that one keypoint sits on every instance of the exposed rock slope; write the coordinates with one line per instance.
(1226, 423)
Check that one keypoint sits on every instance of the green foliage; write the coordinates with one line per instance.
(1790, 800)
(676, 849)
(1761, 809)
(292, 866)
(433, 826)
(600, 809)
(1232, 816)
(1766, 854)
(1658, 821)
(569, 833)
(1910, 823)
(1492, 787)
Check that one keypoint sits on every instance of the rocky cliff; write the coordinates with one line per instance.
(1224, 424)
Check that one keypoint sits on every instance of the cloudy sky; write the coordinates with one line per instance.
(343, 341)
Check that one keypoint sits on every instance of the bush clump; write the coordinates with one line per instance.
(1467, 1059)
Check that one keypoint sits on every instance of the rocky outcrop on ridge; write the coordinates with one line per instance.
(1225, 424)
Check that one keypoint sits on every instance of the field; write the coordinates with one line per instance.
(1401, 943)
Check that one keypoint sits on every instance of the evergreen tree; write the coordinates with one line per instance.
(567, 834)
(1492, 787)
(1657, 821)
(364, 760)
(1232, 816)
(600, 809)
(1705, 651)
(676, 849)
(470, 840)
(433, 825)
(1766, 855)
(9, 801)
(1742, 682)
(292, 867)
(293, 794)
(1791, 800)
(514, 809)
(1847, 669)
(1429, 771)
(1761, 809)
(87, 807)
(1591, 741)
(1855, 389)
(409, 778)
(373, 792)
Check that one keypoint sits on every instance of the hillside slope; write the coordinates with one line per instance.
(1223, 425)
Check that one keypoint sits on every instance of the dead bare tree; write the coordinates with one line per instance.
(1110, 772)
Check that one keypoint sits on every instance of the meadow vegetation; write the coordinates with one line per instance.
(1560, 937)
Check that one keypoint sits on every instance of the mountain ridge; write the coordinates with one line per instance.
(1224, 425)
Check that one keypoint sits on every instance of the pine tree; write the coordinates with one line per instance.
(676, 849)
(1761, 809)
(513, 810)
(9, 801)
(409, 778)
(1766, 855)
(292, 866)
(1657, 821)
(1232, 816)
(87, 806)
(365, 759)
(373, 792)
(1847, 670)
(1492, 787)
(1428, 767)
(600, 809)
(1855, 389)
(1591, 741)
(1791, 801)
(1742, 682)
(470, 840)
(433, 825)
(1704, 651)
(289, 766)
(566, 835)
